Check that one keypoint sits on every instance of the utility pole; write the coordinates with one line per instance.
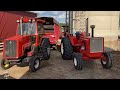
(71, 22)
(66, 20)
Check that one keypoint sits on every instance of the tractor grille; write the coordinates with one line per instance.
(96, 44)
(10, 50)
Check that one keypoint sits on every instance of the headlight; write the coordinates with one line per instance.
(18, 21)
(30, 20)
(33, 20)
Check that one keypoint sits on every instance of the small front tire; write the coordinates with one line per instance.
(5, 64)
(78, 61)
(34, 64)
(107, 63)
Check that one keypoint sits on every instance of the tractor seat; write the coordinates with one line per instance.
(78, 34)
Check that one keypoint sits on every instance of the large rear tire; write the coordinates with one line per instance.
(107, 63)
(46, 48)
(66, 49)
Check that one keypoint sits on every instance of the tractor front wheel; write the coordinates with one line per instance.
(107, 62)
(78, 61)
(34, 64)
(5, 64)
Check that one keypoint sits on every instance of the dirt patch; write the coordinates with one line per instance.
(57, 68)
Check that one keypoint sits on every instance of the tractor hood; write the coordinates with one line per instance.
(19, 39)
(14, 38)
(14, 46)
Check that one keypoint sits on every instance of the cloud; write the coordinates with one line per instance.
(61, 15)
(58, 15)
(41, 12)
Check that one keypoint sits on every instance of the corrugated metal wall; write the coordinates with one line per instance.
(8, 22)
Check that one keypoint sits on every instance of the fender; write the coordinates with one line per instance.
(33, 50)
(25, 46)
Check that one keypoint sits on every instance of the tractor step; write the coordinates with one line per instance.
(14, 60)
(1, 49)
(1, 43)
(14, 63)
(1, 46)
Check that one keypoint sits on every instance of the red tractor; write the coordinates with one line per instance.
(82, 46)
(30, 45)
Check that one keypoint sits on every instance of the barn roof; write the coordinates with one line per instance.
(26, 13)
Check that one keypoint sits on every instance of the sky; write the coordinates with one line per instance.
(58, 15)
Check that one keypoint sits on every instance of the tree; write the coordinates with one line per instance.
(62, 24)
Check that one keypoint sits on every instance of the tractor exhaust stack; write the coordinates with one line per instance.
(92, 27)
(87, 27)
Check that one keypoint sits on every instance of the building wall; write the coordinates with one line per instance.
(79, 18)
(106, 25)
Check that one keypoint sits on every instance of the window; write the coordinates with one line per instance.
(40, 28)
(27, 29)
(49, 27)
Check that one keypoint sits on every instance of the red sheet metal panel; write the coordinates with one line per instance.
(57, 31)
(8, 22)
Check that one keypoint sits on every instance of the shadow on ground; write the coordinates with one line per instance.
(107, 49)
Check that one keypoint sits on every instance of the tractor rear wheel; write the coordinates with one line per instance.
(78, 61)
(107, 63)
(46, 49)
(66, 49)
(5, 64)
(34, 64)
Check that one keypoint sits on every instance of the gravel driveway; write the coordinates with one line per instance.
(56, 68)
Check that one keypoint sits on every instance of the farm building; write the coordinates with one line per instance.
(107, 25)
